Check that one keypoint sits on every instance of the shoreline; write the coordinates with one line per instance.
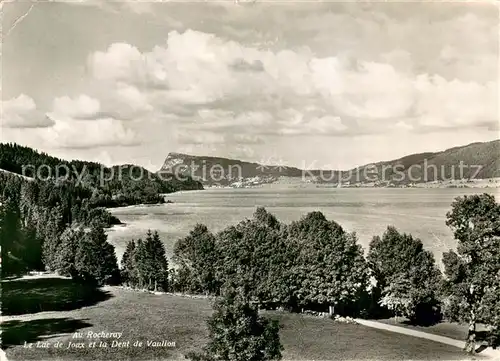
(428, 185)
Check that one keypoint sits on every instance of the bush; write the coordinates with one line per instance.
(237, 332)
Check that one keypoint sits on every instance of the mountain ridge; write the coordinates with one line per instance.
(477, 160)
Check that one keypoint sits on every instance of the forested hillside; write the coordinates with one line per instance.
(119, 185)
(33, 216)
(472, 161)
(50, 208)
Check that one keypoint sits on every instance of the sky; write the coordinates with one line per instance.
(310, 84)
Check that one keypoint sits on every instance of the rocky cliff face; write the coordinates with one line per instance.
(173, 161)
(213, 171)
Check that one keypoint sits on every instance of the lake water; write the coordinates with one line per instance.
(367, 211)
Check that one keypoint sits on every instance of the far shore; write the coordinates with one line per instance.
(298, 182)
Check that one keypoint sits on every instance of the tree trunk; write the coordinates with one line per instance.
(331, 310)
(470, 343)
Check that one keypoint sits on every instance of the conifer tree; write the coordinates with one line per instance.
(160, 263)
(95, 259)
(52, 228)
(149, 260)
(70, 240)
(145, 265)
(140, 260)
(11, 237)
(129, 267)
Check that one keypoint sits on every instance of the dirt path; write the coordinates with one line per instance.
(488, 352)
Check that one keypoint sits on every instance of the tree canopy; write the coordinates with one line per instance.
(237, 332)
(473, 271)
(406, 276)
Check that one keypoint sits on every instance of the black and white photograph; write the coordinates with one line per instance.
(250, 180)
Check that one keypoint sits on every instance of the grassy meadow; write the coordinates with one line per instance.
(50, 311)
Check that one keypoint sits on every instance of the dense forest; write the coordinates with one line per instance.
(115, 186)
(36, 216)
(45, 202)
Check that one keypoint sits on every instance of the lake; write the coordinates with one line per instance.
(367, 211)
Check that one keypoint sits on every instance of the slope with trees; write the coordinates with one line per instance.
(115, 186)
(54, 195)
(36, 214)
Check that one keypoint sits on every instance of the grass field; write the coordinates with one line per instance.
(142, 317)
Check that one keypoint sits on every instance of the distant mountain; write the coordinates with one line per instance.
(472, 161)
(224, 171)
(476, 160)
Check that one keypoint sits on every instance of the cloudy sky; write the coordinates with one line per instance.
(312, 84)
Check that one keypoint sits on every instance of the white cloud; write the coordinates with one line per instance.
(102, 132)
(139, 7)
(20, 112)
(452, 104)
(81, 122)
(117, 63)
(261, 76)
(199, 137)
(21, 104)
(81, 107)
(370, 90)
(220, 120)
(123, 101)
(402, 125)
(133, 98)
(196, 71)
(296, 123)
